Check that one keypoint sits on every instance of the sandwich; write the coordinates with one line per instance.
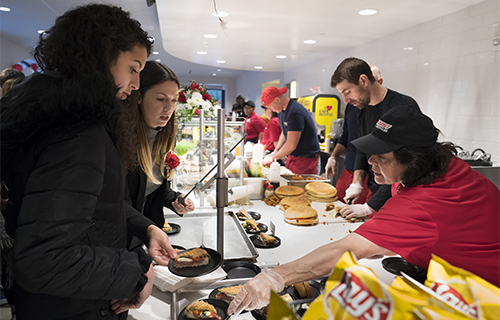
(192, 258)
(301, 216)
(250, 225)
(330, 206)
(166, 227)
(243, 214)
(288, 202)
(201, 310)
(265, 238)
(321, 192)
(228, 293)
(303, 289)
(288, 191)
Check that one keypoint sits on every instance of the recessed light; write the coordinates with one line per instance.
(158, 60)
(41, 31)
(367, 12)
(219, 70)
(201, 52)
(258, 67)
(310, 41)
(156, 52)
(210, 36)
(408, 48)
(221, 61)
(281, 56)
(214, 74)
(4, 9)
(220, 14)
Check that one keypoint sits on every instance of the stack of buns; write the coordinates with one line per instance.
(288, 191)
(301, 215)
(288, 202)
(321, 192)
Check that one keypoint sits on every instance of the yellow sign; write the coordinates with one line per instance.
(324, 107)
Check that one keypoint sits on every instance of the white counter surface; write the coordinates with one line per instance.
(296, 241)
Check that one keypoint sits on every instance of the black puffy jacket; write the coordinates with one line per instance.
(66, 208)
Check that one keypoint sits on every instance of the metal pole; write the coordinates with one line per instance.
(222, 182)
(201, 149)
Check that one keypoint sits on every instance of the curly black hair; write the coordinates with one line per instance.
(425, 164)
(89, 38)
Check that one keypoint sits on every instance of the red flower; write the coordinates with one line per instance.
(195, 86)
(206, 96)
(197, 111)
(182, 98)
(171, 160)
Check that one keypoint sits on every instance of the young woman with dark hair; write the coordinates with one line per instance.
(152, 119)
(67, 210)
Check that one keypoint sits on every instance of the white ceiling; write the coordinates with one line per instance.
(256, 31)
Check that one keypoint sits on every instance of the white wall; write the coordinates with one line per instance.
(249, 85)
(11, 53)
(453, 73)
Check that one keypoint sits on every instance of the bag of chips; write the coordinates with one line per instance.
(466, 291)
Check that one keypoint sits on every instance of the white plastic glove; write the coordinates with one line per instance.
(268, 159)
(353, 192)
(356, 211)
(330, 167)
(256, 292)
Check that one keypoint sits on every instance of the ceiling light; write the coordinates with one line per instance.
(310, 41)
(5, 9)
(408, 48)
(367, 12)
(221, 61)
(219, 70)
(41, 31)
(201, 52)
(258, 67)
(220, 14)
(210, 36)
(281, 56)
(158, 60)
(156, 52)
(214, 74)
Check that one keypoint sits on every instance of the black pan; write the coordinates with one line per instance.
(240, 269)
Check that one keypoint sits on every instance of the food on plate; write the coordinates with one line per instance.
(192, 258)
(287, 297)
(337, 211)
(303, 289)
(288, 202)
(250, 225)
(266, 238)
(330, 206)
(297, 177)
(301, 215)
(228, 293)
(166, 227)
(272, 201)
(243, 214)
(288, 191)
(321, 192)
(201, 310)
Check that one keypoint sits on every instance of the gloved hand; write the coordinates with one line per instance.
(256, 292)
(353, 192)
(268, 159)
(330, 167)
(356, 211)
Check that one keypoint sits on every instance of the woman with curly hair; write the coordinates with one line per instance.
(153, 117)
(67, 210)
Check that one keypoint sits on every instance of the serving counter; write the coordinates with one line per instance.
(296, 241)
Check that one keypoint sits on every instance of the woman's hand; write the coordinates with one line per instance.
(256, 292)
(159, 246)
(182, 208)
(137, 299)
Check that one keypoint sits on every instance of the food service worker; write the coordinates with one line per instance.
(298, 139)
(433, 210)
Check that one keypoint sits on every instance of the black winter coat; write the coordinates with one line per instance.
(66, 208)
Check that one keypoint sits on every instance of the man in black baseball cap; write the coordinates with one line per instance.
(400, 126)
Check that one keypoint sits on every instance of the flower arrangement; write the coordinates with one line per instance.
(192, 99)
(171, 160)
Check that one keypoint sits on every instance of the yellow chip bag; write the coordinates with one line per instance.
(432, 313)
(355, 292)
(279, 309)
(467, 292)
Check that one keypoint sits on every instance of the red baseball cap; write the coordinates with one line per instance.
(270, 93)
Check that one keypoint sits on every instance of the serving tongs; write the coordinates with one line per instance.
(301, 301)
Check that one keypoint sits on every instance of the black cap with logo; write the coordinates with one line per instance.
(399, 127)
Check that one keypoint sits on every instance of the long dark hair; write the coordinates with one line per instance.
(89, 38)
(351, 69)
(425, 164)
